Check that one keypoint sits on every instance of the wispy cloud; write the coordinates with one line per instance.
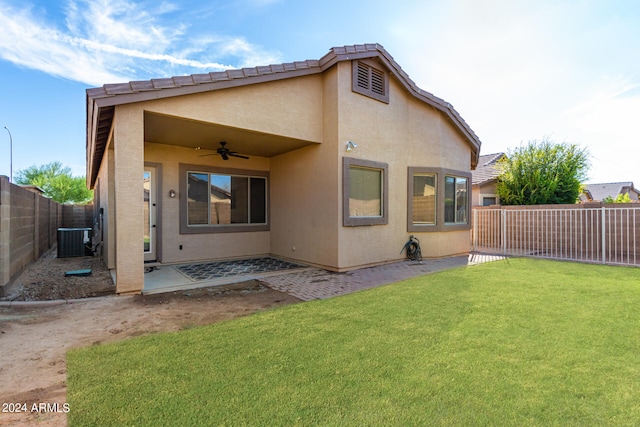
(108, 41)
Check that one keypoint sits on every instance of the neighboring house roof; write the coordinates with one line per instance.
(599, 192)
(101, 101)
(487, 170)
(33, 188)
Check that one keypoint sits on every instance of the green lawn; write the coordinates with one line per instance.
(517, 342)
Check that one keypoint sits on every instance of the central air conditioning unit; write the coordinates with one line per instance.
(74, 242)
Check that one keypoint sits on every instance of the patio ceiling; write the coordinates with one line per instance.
(171, 130)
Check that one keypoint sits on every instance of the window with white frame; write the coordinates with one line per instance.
(489, 200)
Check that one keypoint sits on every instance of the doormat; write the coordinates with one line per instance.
(216, 270)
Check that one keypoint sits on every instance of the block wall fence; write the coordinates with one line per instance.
(28, 227)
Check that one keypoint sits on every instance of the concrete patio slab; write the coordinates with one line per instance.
(169, 278)
(309, 283)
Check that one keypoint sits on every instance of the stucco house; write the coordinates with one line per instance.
(484, 179)
(330, 163)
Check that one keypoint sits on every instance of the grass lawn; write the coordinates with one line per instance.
(516, 342)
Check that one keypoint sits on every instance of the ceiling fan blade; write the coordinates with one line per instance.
(224, 155)
(238, 155)
(210, 154)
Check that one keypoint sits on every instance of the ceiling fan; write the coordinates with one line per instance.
(224, 152)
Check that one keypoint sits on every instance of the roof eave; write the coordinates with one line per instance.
(101, 101)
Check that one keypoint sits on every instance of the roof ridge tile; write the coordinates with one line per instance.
(117, 88)
(264, 69)
(216, 76)
(184, 80)
(235, 73)
(250, 72)
(163, 83)
(201, 78)
(142, 86)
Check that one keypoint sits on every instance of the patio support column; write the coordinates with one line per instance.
(128, 143)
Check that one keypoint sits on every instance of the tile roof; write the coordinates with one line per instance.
(102, 100)
(487, 169)
(601, 191)
(201, 81)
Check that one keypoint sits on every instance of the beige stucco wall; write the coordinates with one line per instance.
(199, 246)
(480, 191)
(128, 132)
(105, 199)
(306, 191)
(307, 195)
(403, 133)
(305, 184)
(288, 107)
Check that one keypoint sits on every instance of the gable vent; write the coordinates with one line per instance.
(370, 81)
(377, 82)
(363, 76)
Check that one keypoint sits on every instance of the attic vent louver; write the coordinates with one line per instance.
(370, 81)
(377, 82)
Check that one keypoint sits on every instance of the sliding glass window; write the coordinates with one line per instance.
(219, 200)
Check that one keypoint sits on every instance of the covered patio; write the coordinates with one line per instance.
(160, 278)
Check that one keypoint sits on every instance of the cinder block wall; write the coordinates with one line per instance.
(76, 216)
(28, 227)
(5, 226)
(22, 231)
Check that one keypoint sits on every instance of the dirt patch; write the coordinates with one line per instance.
(34, 338)
(46, 279)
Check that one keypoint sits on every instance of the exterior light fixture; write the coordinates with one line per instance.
(172, 193)
(350, 146)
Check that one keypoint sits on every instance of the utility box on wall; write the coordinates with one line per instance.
(74, 242)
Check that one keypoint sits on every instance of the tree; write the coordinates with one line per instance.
(56, 182)
(542, 173)
(620, 198)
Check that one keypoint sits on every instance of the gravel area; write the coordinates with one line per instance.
(45, 280)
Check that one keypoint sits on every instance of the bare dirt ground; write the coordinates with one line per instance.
(34, 338)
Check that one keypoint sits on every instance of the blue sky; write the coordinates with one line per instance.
(515, 70)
